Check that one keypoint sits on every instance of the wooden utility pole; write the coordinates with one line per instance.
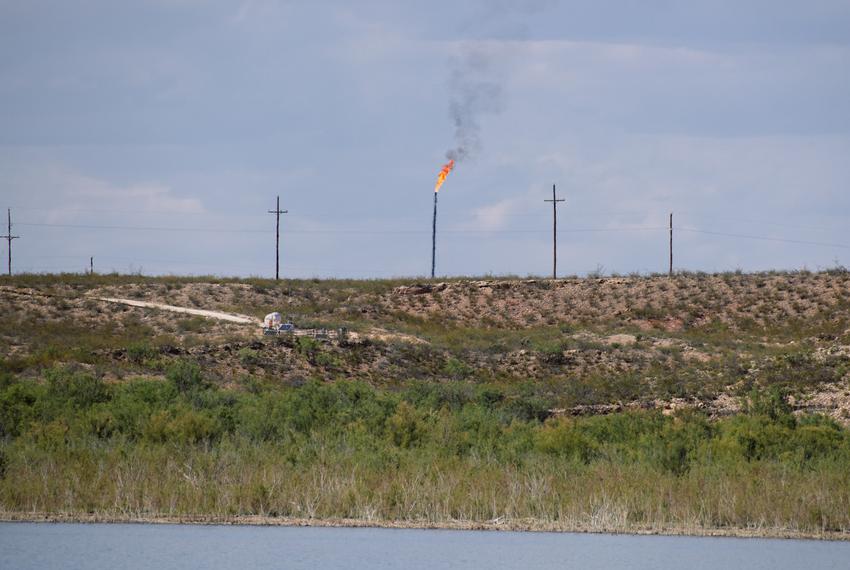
(671, 244)
(9, 237)
(554, 201)
(277, 212)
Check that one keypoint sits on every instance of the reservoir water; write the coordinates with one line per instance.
(26, 546)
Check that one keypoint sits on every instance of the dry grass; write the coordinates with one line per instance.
(227, 483)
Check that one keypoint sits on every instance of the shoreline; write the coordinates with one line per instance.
(525, 525)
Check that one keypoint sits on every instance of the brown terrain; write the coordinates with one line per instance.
(586, 346)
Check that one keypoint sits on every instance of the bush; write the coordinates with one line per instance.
(752, 438)
(456, 369)
(434, 395)
(248, 356)
(405, 426)
(133, 403)
(680, 441)
(772, 403)
(560, 437)
(190, 426)
(18, 407)
(183, 425)
(818, 437)
(307, 346)
(100, 422)
(77, 389)
(185, 376)
(138, 352)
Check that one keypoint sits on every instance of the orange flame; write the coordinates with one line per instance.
(443, 173)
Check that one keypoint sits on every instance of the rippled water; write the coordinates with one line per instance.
(103, 546)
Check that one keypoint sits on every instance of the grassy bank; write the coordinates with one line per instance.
(428, 453)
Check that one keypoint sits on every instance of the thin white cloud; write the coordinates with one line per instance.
(493, 216)
(144, 197)
(74, 195)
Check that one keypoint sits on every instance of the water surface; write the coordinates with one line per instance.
(25, 546)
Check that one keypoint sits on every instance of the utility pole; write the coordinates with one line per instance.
(9, 237)
(554, 201)
(277, 212)
(91, 265)
(671, 244)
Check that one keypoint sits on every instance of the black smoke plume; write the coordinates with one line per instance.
(474, 91)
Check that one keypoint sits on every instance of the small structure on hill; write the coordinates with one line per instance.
(273, 325)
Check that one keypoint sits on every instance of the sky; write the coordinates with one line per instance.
(155, 135)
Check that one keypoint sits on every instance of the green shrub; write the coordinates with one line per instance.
(100, 423)
(327, 360)
(527, 402)
(818, 437)
(456, 368)
(138, 352)
(679, 442)
(18, 407)
(52, 435)
(190, 426)
(307, 346)
(76, 389)
(752, 438)
(436, 395)
(560, 437)
(772, 403)
(248, 356)
(185, 376)
(133, 403)
(192, 324)
(405, 427)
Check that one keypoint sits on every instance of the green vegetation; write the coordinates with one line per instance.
(432, 452)
(621, 403)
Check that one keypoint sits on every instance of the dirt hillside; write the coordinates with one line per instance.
(582, 345)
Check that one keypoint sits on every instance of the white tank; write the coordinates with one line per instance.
(272, 321)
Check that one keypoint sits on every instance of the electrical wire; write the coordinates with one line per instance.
(449, 231)
(763, 238)
(142, 228)
(331, 231)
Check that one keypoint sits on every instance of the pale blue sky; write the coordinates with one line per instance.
(192, 116)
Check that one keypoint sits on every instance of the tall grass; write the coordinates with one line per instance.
(428, 454)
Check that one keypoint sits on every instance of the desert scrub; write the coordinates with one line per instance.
(139, 352)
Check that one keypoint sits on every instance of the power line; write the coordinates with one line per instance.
(766, 238)
(143, 228)
(453, 231)
(329, 231)
(112, 211)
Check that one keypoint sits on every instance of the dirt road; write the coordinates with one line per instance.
(233, 318)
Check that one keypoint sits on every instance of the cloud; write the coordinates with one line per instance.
(494, 216)
(650, 88)
(141, 197)
(65, 195)
(502, 213)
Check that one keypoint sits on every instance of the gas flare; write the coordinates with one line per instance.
(443, 173)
